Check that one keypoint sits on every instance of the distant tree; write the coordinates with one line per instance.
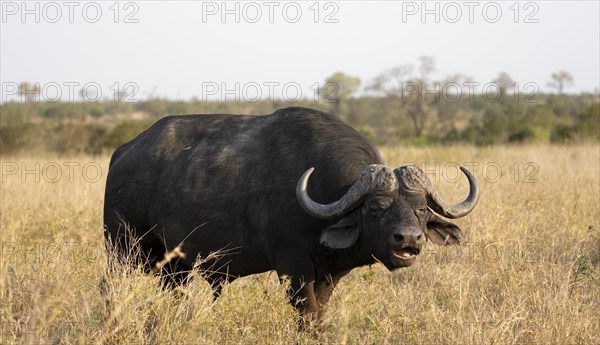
(393, 81)
(456, 94)
(457, 78)
(121, 95)
(560, 80)
(426, 67)
(504, 82)
(338, 88)
(418, 94)
(29, 91)
(88, 94)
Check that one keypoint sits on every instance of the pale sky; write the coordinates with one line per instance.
(182, 49)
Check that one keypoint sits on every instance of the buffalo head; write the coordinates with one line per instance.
(390, 213)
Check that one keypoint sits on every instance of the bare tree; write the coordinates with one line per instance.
(560, 80)
(504, 81)
(412, 90)
(427, 66)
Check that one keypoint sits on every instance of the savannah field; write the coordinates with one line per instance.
(528, 271)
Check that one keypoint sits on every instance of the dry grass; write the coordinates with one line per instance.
(528, 272)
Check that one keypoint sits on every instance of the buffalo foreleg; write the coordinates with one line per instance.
(323, 290)
(293, 265)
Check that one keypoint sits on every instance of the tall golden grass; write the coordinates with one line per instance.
(527, 273)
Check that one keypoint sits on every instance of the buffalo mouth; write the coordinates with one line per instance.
(405, 256)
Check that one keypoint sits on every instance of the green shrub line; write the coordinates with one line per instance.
(96, 128)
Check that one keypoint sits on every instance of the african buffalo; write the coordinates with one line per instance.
(297, 191)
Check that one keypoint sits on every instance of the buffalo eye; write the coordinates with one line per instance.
(377, 206)
(421, 212)
(375, 210)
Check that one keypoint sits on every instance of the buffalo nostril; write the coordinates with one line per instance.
(409, 236)
(398, 237)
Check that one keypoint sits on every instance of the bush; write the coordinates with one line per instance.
(522, 135)
(562, 134)
(494, 128)
(74, 138)
(14, 137)
(124, 132)
(529, 134)
(588, 126)
(96, 111)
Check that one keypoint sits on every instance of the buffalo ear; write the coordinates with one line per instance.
(442, 232)
(342, 234)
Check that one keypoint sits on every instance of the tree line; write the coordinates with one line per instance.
(402, 105)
